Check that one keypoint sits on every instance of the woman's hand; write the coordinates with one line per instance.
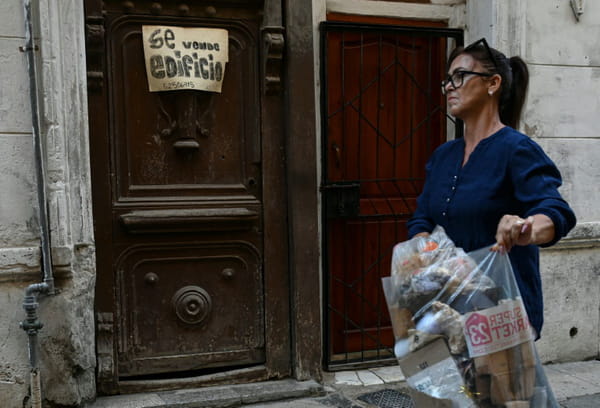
(513, 230)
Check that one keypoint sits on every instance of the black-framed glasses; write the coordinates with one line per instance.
(483, 42)
(457, 78)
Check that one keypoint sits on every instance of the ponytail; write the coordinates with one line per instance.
(513, 96)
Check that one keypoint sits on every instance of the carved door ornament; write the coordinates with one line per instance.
(274, 44)
(192, 121)
(192, 304)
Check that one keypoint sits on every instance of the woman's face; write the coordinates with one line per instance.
(469, 98)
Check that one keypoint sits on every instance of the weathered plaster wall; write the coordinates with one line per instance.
(571, 273)
(18, 220)
(564, 98)
(66, 342)
(561, 114)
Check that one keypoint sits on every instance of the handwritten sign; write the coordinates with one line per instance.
(185, 58)
(497, 328)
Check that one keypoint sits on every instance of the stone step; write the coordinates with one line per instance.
(213, 397)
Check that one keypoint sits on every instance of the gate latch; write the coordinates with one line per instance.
(341, 199)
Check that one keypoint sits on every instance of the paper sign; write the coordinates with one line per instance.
(185, 58)
(497, 328)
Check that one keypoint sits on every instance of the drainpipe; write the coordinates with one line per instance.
(31, 324)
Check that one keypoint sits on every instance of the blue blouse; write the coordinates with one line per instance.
(507, 173)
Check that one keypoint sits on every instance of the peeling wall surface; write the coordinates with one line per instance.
(561, 114)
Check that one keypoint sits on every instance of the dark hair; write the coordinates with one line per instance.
(514, 73)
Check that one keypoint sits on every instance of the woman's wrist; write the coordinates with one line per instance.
(542, 230)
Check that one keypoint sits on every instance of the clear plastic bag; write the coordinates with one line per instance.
(420, 252)
(473, 302)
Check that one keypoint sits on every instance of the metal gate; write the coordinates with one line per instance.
(383, 114)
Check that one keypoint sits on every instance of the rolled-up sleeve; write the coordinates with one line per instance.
(536, 180)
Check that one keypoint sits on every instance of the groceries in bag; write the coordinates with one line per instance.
(466, 309)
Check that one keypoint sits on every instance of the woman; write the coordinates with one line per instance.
(495, 185)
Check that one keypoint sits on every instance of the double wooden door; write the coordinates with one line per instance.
(187, 185)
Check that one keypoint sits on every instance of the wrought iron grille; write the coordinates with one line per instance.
(383, 114)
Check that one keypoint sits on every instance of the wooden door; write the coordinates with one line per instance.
(385, 116)
(189, 225)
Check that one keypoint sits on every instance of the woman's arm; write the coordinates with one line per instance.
(546, 217)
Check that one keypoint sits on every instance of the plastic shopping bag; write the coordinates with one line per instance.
(461, 329)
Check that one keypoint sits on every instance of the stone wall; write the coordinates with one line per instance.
(570, 277)
(563, 102)
(18, 211)
(66, 342)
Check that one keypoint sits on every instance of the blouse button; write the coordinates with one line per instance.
(448, 199)
(444, 213)
(455, 177)
(453, 188)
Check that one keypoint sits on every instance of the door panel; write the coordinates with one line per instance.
(153, 160)
(172, 149)
(185, 279)
(172, 294)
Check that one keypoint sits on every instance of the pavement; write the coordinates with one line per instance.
(575, 385)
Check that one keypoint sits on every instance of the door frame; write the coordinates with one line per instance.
(301, 167)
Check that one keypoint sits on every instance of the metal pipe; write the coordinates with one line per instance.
(31, 324)
(40, 167)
